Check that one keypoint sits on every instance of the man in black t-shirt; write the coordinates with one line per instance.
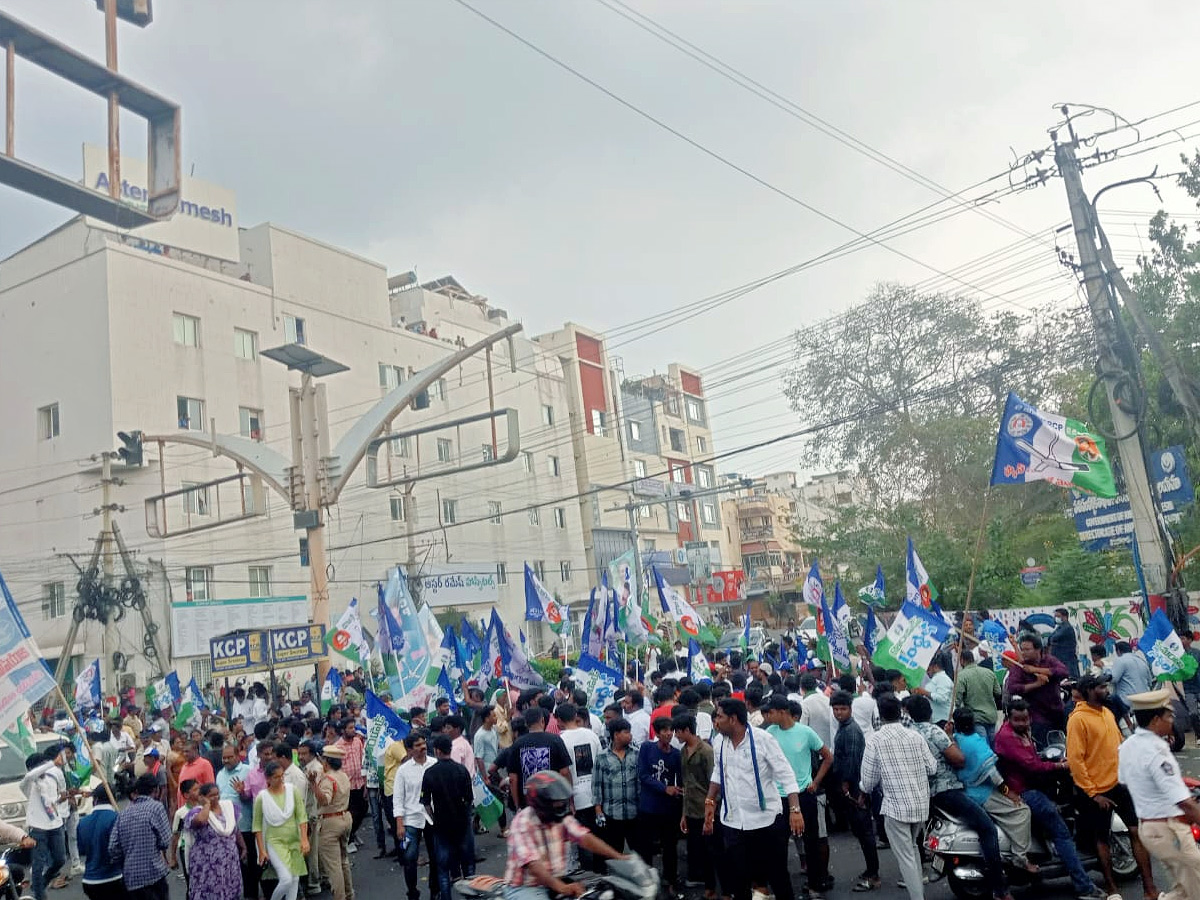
(447, 795)
(536, 752)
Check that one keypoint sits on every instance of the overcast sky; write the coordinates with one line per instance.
(420, 135)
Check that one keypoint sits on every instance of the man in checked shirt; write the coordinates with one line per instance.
(616, 788)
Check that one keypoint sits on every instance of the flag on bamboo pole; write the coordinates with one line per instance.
(540, 605)
(347, 637)
(873, 594)
(1033, 445)
(917, 587)
(688, 622)
(870, 632)
(628, 601)
(832, 642)
(911, 642)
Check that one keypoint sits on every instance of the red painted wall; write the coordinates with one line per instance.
(691, 384)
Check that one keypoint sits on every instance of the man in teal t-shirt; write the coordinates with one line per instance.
(799, 743)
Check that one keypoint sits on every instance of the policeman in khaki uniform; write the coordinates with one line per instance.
(1164, 805)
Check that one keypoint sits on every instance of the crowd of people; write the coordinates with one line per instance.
(738, 767)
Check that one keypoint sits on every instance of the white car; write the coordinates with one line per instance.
(12, 770)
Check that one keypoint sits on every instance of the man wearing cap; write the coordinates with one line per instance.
(1164, 805)
(1093, 754)
(332, 789)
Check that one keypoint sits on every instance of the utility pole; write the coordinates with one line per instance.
(1154, 553)
(111, 637)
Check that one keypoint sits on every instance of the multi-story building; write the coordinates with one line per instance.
(163, 332)
(642, 442)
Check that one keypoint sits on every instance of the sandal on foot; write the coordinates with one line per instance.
(866, 884)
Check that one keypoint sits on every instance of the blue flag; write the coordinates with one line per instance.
(470, 637)
(1164, 650)
(443, 682)
(513, 663)
(391, 635)
(331, 690)
(197, 696)
(873, 594)
(382, 725)
(869, 631)
(599, 681)
(87, 687)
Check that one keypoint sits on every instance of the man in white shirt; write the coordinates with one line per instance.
(816, 712)
(308, 709)
(637, 717)
(583, 747)
(939, 688)
(43, 820)
(749, 775)
(410, 815)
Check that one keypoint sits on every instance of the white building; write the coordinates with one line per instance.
(102, 332)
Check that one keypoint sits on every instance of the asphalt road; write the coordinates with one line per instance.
(384, 878)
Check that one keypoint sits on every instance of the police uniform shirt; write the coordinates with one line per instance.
(1152, 776)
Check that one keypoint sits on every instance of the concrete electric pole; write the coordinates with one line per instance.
(1155, 554)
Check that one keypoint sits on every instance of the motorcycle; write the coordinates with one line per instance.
(626, 879)
(956, 851)
(14, 863)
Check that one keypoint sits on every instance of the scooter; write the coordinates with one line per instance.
(14, 863)
(956, 851)
(626, 879)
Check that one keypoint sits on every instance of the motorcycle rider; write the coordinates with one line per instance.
(1093, 743)
(537, 841)
(1023, 771)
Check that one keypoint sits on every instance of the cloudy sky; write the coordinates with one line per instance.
(417, 133)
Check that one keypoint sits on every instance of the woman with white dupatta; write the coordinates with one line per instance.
(281, 832)
(216, 850)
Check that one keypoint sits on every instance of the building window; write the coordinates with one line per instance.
(564, 571)
(54, 600)
(501, 573)
(599, 422)
(293, 330)
(401, 448)
(47, 418)
(527, 462)
(708, 512)
(678, 440)
(701, 444)
(202, 671)
(445, 450)
(187, 330)
(639, 468)
(643, 512)
(437, 390)
(245, 344)
(190, 412)
(677, 474)
(249, 506)
(390, 377)
(535, 517)
(195, 501)
(494, 512)
(547, 414)
(539, 569)
(197, 581)
(552, 466)
(671, 404)
(260, 581)
(449, 512)
(251, 423)
(695, 410)
(684, 511)
(399, 508)
(489, 455)
(704, 476)
(560, 517)
(635, 431)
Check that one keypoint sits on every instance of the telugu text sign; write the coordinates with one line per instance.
(1104, 523)
(471, 584)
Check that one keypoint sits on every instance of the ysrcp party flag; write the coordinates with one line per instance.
(870, 632)
(832, 641)
(688, 622)
(911, 642)
(1038, 446)
(918, 588)
(383, 725)
(698, 668)
(164, 693)
(623, 580)
(540, 605)
(872, 594)
(24, 678)
(87, 687)
(331, 690)
(1164, 650)
(486, 805)
(814, 589)
(599, 681)
(347, 637)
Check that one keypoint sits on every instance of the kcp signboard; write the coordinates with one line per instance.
(255, 651)
(1105, 523)
(238, 651)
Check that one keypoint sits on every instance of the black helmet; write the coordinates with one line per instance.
(550, 796)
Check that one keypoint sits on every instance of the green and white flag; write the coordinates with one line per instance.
(911, 642)
(19, 737)
(486, 805)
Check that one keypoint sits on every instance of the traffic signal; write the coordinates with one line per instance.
(131, 453)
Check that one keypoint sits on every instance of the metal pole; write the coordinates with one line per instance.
(111, 636)
(114, 104)
(1156, 557)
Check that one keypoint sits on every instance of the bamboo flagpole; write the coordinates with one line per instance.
(98, 769)
(987, 496)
